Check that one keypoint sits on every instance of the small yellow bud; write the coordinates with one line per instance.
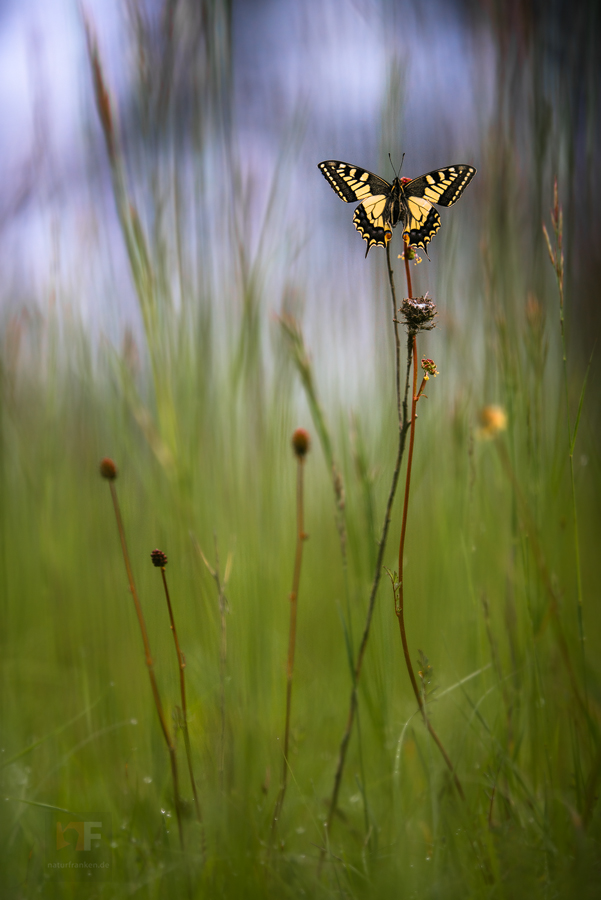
(493, 419)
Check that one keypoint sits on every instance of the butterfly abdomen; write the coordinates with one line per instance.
(398, 208)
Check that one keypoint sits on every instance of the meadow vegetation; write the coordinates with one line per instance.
(197, 409)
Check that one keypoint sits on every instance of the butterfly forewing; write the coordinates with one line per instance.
(352, 183)
(442, 186)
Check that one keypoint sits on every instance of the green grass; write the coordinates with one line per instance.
(73, 667)
(200, 431)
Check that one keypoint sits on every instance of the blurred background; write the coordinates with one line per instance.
(224, 110)
(180, 289)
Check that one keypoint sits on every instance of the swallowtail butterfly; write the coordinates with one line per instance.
(408, 201)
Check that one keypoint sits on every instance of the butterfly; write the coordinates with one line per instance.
(408, 201)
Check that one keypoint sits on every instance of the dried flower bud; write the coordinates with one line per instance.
(159, 559)
(301, 442)
(108, 469)
(493, 419)
(419, 314)
(429, 367)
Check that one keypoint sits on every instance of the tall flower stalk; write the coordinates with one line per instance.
(556, 257)
(108, 470)
(403, 426)
(159, 560)
(221, 584)
(419, 316)
(300, 444)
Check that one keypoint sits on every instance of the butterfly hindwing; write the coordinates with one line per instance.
(423, 222)
(370, 222)
(442, 186)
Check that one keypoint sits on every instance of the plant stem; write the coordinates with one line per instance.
(222, 601)
(300, 539)
(149, 664)
(545, 575)
(403, 426)
(557, 261)
(399, 594)
(301, 358)
(182, 685)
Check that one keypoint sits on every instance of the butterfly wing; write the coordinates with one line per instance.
(371, 223)
(423, 222)
(353, 184)
(442, 186)
(356, 185)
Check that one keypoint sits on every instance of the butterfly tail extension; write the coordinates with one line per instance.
(423, 224)
(371, 225)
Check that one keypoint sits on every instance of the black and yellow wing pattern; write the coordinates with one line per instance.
(409, 201)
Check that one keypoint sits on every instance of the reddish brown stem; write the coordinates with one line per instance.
(407, 269)
(399, 606)
(149, 663)
(300, 539)
(403, 426)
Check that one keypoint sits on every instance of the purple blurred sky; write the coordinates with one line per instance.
(331, 60)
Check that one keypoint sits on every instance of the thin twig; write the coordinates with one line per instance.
(557, 261)
(149, 664)
(403, 426)
(300, 539)
(223, 608)
(182, 685)
(399, 592)
(545, 575)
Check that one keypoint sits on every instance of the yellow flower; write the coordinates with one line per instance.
(493, 419)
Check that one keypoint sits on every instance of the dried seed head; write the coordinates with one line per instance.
(493, 419)
(108, 469)
(301, 442)
(159, 559)
(418, 314)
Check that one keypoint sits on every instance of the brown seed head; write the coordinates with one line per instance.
(301, 442)
(418, 314)
(159, 559)
(108, 469)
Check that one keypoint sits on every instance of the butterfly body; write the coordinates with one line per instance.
(408, 201)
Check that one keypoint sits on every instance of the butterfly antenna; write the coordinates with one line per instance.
(396, 174)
